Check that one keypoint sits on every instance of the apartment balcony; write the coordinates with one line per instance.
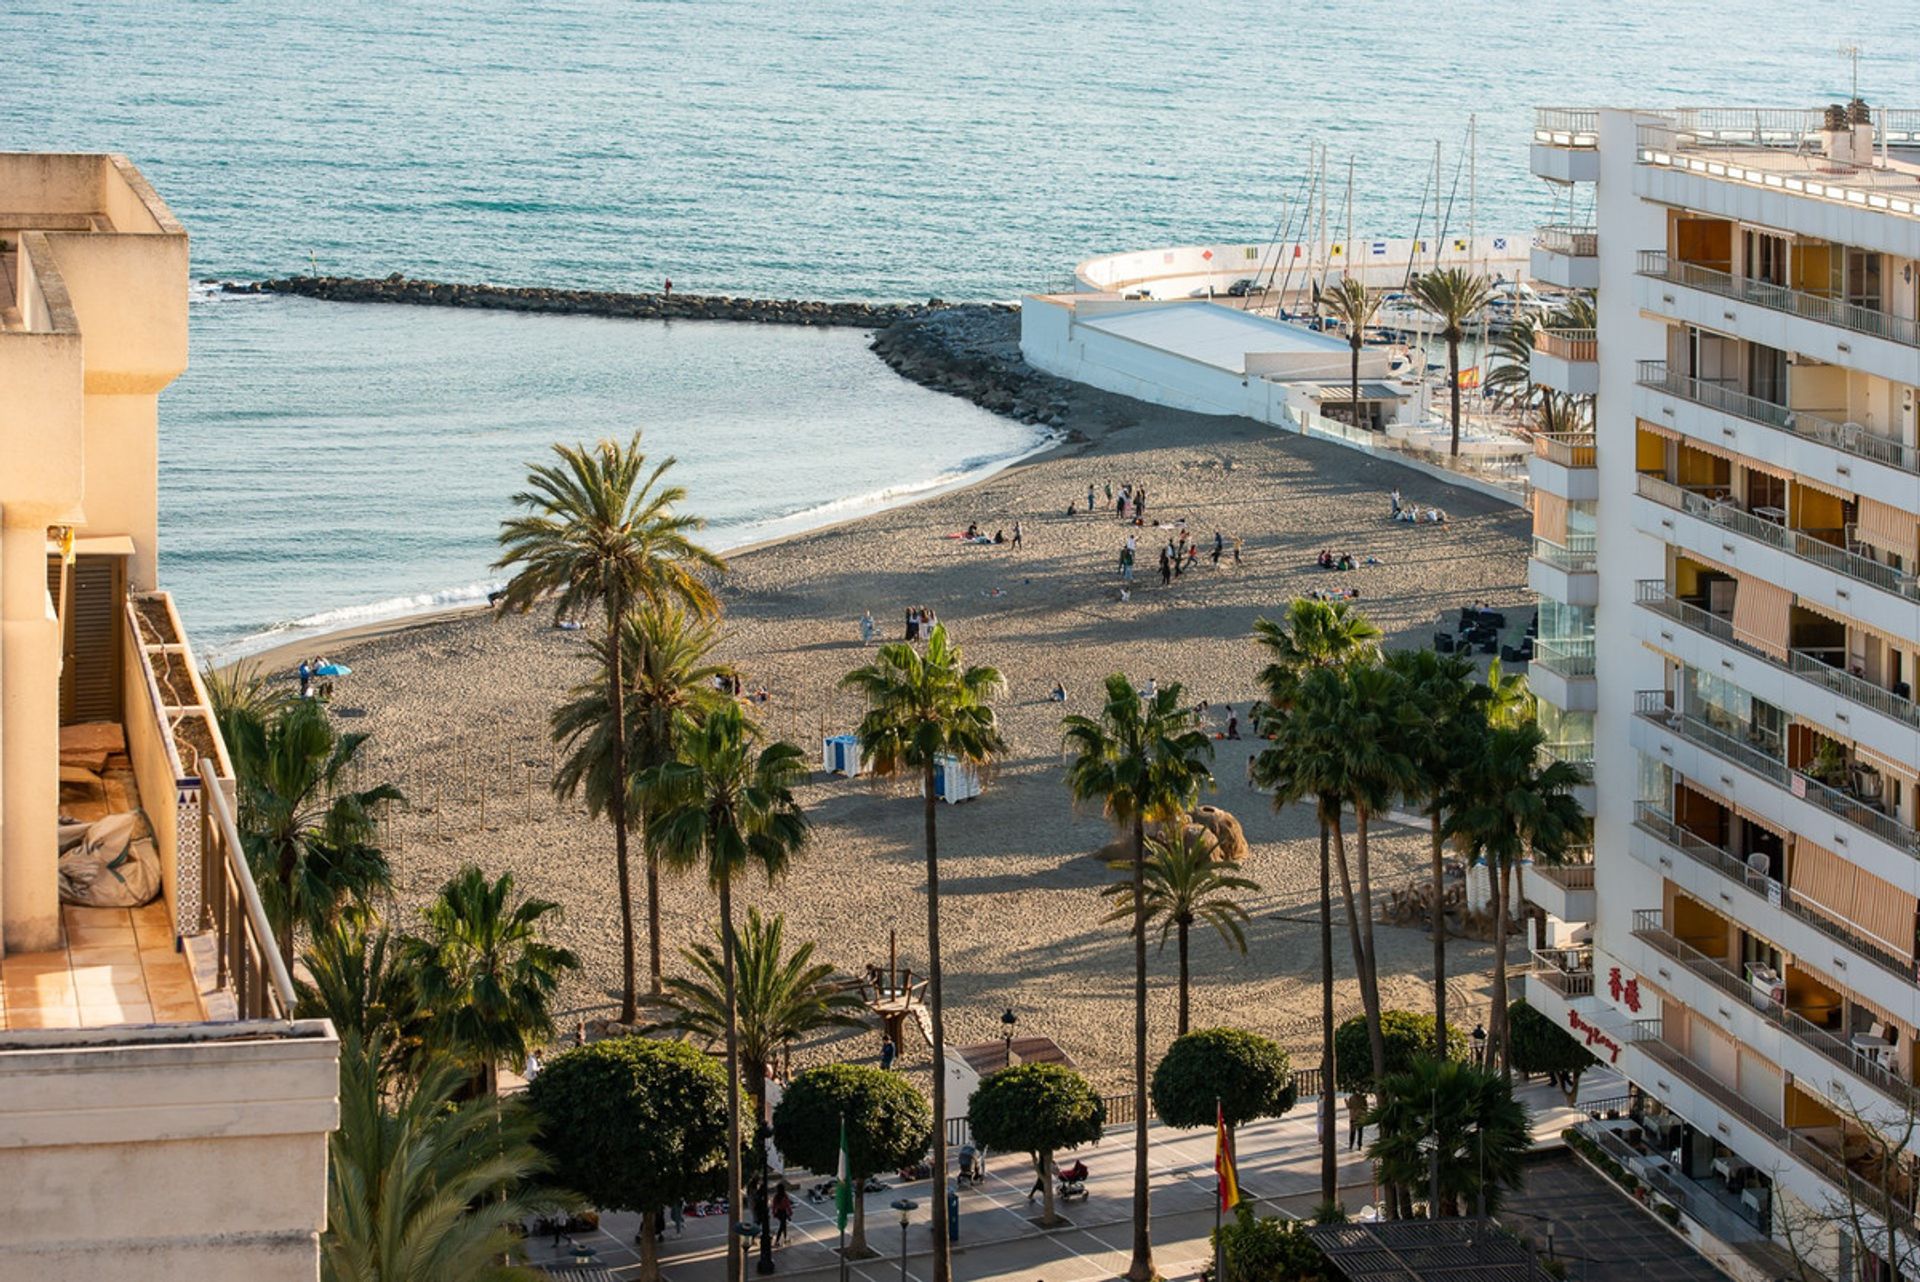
(1814, 566)
(1799, 681)
(1755, 899)
(1565, 571)
(1562, 890)
(1844, 455)
(1565, 464)
(1793, 320)
(1566, 145)
(1567, 360)
(1819, 1060)
(1576, 754)
(1565, 971)
(1566, 256)
(1788, 799)
(1562, 673)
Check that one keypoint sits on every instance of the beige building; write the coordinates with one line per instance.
(162, 1115)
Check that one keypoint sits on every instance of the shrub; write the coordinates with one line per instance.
(1037, 1109)
(1408, 1035)
(1249, 1249)
(1245, 1075)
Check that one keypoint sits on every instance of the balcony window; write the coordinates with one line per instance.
(1565, 624)
(1863, 279)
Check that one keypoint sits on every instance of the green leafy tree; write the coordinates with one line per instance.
(599, 530)
(728, 807)
(1040, 1110)
(354, 975)
(1244, 1075)
(1354, 306)
(1185, 884)
(421, 1189)
(1142, 759)
(1254, 1249)
(1542, 1046)
(670, 681)
(921, 708)
(1309, 636)
(308, 836)
(486, 972)
(1456, 296)
(783, 997)
(1408, 1035)
(888, 1126)
(1461, 1122)
(633, 1124)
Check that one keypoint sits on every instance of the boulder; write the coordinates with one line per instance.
(1226, 831)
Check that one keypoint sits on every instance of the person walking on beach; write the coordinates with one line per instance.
(1218, 545)
(1089, 498)
(1395, 497)
(1236, 551)
(866, 628)
(306, 679)
(1126, 562)
(1166, 568)
(1016, 534)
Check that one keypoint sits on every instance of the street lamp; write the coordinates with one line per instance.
(761, 1134)
(1007, 1021)
(1479, 1046)
(906, 1206)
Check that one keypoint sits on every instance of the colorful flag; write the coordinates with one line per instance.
(843, 1181)
(1223, 1161)
(1469, 377)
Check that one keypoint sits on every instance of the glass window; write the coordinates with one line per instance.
(1562, 622)
(1721, 704)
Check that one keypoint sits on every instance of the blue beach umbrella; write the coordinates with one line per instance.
(333, 670)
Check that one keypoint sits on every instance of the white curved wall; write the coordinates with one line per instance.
(1177, 270)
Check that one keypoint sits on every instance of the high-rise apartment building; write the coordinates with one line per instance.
(162, 1114)
(1729, 568)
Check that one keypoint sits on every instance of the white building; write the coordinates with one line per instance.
(1730, 626)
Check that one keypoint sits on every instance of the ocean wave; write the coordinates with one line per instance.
(352, 616)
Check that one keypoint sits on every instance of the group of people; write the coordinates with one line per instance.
(1177, 555)
(312, 682)
(920, 621)
(1410, 513)
(975, 534)
(1129, 505)
(1330, 560)
(734, 686)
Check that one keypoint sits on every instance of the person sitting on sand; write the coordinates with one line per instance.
(1150, 690)
(1326, 559)
(973, 529)
(1059, 693)
(999, 537)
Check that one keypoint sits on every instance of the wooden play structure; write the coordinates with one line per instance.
(893, 995)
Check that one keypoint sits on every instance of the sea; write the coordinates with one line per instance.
(329, 464)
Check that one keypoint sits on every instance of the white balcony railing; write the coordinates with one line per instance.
(1567, 344)
(1796, 302)
(1849, 438)
(1567, 126)
(1573, 241)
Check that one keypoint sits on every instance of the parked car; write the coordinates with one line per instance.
(1242, 287)
(1137, 294)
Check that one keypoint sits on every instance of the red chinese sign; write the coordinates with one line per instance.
(1626, 992)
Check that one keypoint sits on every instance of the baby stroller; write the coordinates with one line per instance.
(972, 1169)
(1072, 1181)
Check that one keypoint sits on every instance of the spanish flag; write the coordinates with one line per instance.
(1470, 377)
(1223, 1161)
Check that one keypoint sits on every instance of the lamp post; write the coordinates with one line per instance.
(1007, 1021)
(1479, 1046)
(761, 1134)
(906, 1206)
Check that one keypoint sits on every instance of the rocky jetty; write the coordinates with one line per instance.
(972, 350)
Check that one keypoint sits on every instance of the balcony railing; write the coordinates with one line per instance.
(1657, 823)
(1568, 449)
(1567, 971)
(1650, 928)
(1795, 302)
(1795, 543)
(1577, 753)
(248, 958)
(1567, 126)
(1568, 657)
(1567, 344)
(1573, 241)
(1576, 556)
(1653, 706)
(1848, 438)
(1565, 876)
(1656, 596)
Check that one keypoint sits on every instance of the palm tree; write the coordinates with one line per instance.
(1313, 634)
(723, 804)
(783, 997)
(309, 841)
(486, 972)
(667, 671)
(1185, 884)
(1446, 1122)
(353, 975)
(920, 709)
(1510, 800)
(1456, 296)
(1142, 759)
(1354, 306)
(600, 530)
(243, 690)
(1448, 709)
(420, 1189)
(1509, 378)
(1507, 701)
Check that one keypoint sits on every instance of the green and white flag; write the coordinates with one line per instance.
(843, 1180)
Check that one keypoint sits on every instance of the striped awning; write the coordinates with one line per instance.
(1888, 528)
(1812, 483)
(1549, 516)
(1763, 611)
(1849, 893)
(1660, 430)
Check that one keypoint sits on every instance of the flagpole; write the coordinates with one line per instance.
(841, 1201)
(1219, 1194)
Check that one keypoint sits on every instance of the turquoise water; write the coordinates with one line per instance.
(829, 149)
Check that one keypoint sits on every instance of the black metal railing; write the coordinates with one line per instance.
(249, 958)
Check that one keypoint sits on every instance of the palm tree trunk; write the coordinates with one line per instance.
(1453, 362)
(653, 918)
(1497, 1017)
(936, 1007)
(617, 810)
(736, 1260)
(1370, 979)
(1439, 941)
(1183, 980)
(1353, 388)
(1329, 1140)
(1140, 1268)
(1369, 1003)
(287, 865)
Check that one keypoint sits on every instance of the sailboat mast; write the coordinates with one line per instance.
(1346, 255)
(1322, 283)
(1473, 199)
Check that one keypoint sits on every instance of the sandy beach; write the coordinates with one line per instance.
(457, 708)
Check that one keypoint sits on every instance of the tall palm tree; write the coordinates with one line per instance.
(1509, 801)
(353, 974)
(723, 804)
(1448, 712)
(666, 665)
(782, 997)
(1354, 306)
(1185, 884)
(921, 708)
(600, 530)
(421, 1189)
(1142, 759)
(1313, 634)
(308, 838)
(1456, 296)
(486, 972)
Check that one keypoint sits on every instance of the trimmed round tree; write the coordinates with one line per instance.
(1409, 1036)
(1542, 1046)
(633, 1124)
(1038, 1109)
(1222, 1072)
(888, 1124)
